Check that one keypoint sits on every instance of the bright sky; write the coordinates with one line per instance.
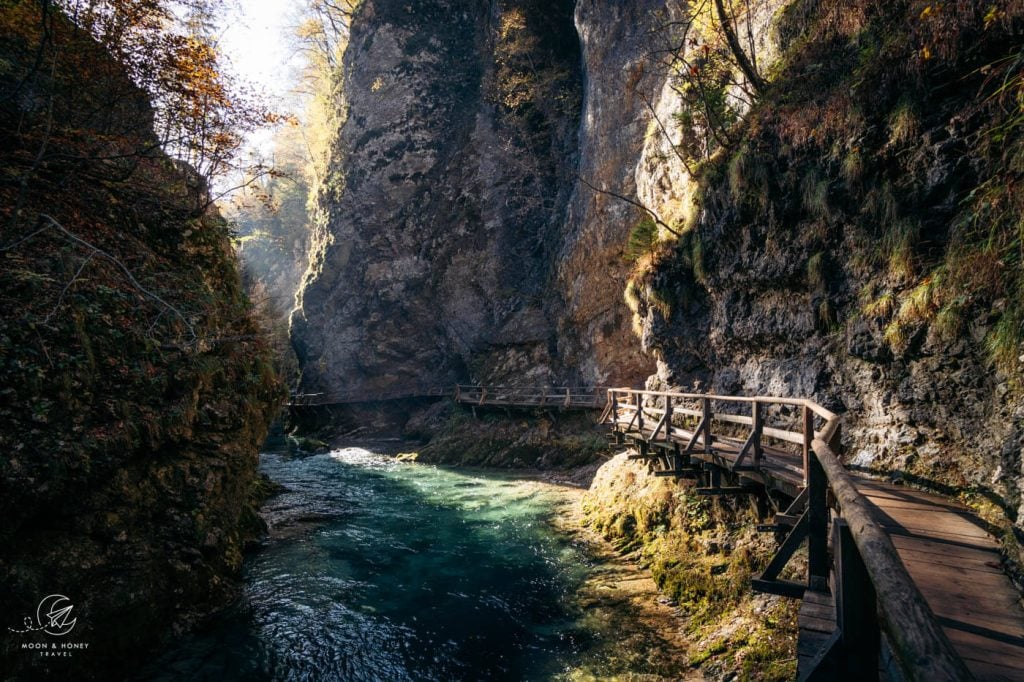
(255, 40)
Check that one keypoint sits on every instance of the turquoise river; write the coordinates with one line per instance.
(383, 570)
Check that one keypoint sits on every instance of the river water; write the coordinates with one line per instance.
(382, 570)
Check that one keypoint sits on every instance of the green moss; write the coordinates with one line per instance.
(816, 271)
(702, 554)
(815, 195)
(642, 239)
(904, 122)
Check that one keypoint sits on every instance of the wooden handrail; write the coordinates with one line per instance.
(917, 640)
(561, 396)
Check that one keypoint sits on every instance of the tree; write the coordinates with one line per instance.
(169, 50)
(713, 66)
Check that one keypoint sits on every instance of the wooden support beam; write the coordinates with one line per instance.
(680, 460)
(689, 474)
(856, 615)
(705, 404)
(696, 434)
(726, 490)
(815, 670)
(798, 505)
(752, 445)
(665, 422)
(757, 414)
(783, 588)
(817, 511)
(786, 550)
(714, 476)
(807, 431)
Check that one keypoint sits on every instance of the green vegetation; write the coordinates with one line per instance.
(855, 148)
(642, 239)
(702, 554)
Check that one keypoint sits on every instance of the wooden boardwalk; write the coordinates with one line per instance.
(901, 584)
(563, 397)
(955, 563)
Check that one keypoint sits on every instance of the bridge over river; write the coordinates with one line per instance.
(900, 584)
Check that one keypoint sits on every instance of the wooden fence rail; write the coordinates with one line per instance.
(570, 397)
(581, 397)
(790, 445)
(365, 396)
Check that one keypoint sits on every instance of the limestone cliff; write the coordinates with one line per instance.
(860, 243)
(134, 386)
(458, 243)
(441, 216)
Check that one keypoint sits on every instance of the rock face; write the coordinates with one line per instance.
(457, 244)
(128, 477)
(834, 256)
(440, 230)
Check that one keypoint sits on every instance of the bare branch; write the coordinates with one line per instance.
(95, 250)
(632, 202)
(742, 60)
(64, 291)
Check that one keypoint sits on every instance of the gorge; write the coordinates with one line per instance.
(805, 199)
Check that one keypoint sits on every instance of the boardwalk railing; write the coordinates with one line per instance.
(790, 445)
(585, 397)
(364, 396)
(575, 397)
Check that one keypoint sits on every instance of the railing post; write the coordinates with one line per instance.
(856, 609)
(639, 413)
(757, 415)
(568, 398)
(807, 429)
(817, 510)
(458, 393)
(668, 418)
(705, 405)
(836, 441)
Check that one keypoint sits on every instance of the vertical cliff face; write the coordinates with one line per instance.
(861, 245)
(624, 81)
(441, 216)
(134, 386)
(464, 235)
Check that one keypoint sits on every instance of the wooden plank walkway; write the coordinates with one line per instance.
(955, 563)
(564, 397)
(973, 624)
(570, 398)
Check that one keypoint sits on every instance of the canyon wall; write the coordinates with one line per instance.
(135, 386)
(858, 246)
(456, 242)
